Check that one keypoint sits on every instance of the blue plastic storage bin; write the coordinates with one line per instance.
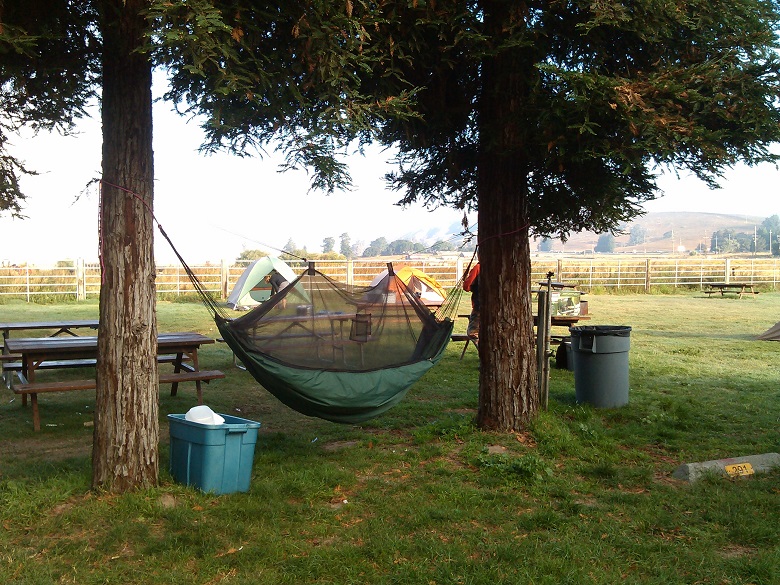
(213, 458)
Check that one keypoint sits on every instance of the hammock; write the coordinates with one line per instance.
(338, 352)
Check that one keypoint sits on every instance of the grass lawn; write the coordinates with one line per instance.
(419, 495)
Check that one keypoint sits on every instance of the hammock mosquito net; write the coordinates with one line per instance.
(339, 352)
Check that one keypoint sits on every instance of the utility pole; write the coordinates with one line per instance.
(755, 241)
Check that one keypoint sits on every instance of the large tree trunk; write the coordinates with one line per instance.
(507, 385)
(125, 449)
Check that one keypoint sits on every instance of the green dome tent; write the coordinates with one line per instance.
(251, 289)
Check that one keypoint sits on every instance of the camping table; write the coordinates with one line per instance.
(737, 288)
(555, 321)
(333, 335)
(557, 285)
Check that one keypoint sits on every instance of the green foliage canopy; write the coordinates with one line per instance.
(608, 93)
(250, 255)
(283, 71)
(764, 237)
(49, 67)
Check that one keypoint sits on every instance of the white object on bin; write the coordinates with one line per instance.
(203, 415)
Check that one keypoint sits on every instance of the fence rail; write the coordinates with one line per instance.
(82, 280)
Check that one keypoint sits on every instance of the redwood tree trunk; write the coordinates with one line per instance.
(126, 434)
(508, 398)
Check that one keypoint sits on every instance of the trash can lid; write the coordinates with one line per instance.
(596, 330)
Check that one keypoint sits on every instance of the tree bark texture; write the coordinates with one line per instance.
(126, 433)
(508, 398)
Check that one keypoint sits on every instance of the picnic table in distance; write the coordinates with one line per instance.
(724, 288)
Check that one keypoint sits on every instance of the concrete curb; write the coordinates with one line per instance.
(763, 463)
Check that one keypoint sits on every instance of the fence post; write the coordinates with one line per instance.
(81, 280)
(350, 271)
(647, 275)
(726, 268)
(559, 269)
(701, 273)
(590, 275)
(543, 344)
(224, 275)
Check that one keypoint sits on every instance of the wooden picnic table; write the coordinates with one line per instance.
(60, 327)
(180, 349)
(724, 288)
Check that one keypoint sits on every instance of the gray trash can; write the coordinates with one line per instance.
(601, 364)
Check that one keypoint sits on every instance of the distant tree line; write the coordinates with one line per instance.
(763, 238)
(381, 247)
(378, 247)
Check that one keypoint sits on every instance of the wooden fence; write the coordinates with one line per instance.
(82, 280)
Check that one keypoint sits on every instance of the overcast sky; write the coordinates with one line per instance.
(213, 207)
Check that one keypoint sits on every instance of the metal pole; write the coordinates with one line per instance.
(541, 381)
(543, 343)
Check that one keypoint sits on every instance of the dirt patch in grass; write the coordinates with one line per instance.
(47, 448)
(338, 445)
(735, 551)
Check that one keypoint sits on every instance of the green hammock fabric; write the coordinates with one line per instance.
(337, 396)
(337, 352)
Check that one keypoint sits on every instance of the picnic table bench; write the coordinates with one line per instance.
(724, 288)
(180, 349)
(459, 337)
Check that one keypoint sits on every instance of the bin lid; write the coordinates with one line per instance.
(204, 415)
(596, 330)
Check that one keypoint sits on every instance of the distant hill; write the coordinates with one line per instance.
(666, 232)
